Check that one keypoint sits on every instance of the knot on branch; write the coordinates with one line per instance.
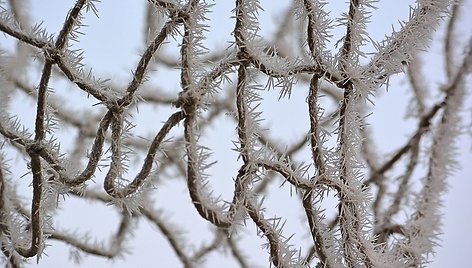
(180, 16)
(115, 107)
(33, 148)
(52, 54)
(187, 100)
(244, 56)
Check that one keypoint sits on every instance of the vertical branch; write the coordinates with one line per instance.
(344, 207)
(241, 107)
(5, 231)
(424, 225)
(208, 211)
(352, 214)
(243, 177)
(320, 234)
(115, 170)
(317, 29)
(239, 27)
(450, 38)
(416, 79)
(315, 39)
(315, 139)
(315, 50)
(193, 176)
(36, 169)
(346, 49)
(246, 171)
(280, 253)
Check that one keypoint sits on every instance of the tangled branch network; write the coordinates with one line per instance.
(70, 133)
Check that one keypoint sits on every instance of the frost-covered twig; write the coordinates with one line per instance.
(333, 158)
